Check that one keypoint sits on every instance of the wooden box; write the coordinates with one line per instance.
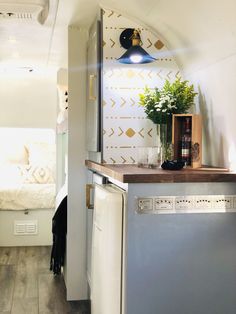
(193, 123)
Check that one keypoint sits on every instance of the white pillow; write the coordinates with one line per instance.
(36, 174)
(42, 154)
(13, 153)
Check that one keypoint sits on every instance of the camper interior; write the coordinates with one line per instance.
(75, 122)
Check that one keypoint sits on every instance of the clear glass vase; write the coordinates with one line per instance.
(164, 131)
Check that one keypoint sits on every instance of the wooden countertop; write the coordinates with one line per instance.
(134, 174)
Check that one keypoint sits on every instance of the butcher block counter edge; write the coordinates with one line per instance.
(134, 174)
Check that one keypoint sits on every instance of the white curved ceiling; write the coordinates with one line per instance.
(198, 32)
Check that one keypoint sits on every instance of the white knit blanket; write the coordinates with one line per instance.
(17, 196)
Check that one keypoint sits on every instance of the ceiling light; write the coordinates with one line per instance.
(135, 54)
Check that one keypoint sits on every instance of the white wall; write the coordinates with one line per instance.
(210, 64)
(28, 100)
(217, 93)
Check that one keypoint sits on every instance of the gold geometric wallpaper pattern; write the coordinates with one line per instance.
(125, 126)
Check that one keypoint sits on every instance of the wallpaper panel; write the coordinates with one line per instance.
(125, 126)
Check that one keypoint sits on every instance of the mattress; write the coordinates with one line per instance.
(27, 196)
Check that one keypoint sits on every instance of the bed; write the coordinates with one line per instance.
(27, 186)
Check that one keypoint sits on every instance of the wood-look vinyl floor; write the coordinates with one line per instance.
(28, 287)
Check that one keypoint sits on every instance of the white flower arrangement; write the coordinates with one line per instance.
(160, 104)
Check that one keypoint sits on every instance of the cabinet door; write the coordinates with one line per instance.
(107, 251)
(92, 179)
(94, 89)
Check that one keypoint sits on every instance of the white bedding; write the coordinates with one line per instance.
(17, 196)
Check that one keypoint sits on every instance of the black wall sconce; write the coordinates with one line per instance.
(135, 54)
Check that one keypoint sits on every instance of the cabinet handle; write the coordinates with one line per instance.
(89, 187)
(92, 78)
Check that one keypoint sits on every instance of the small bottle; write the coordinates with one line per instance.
(186, 142)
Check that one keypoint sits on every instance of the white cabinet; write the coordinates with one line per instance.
(107, 245)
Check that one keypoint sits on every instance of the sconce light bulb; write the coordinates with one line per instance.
(136, 58)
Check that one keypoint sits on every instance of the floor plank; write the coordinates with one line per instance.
(52, 295)
(9, 255)
(7, 278)
(25, 306)
(44, 259)
(26, 281)
(28, 255)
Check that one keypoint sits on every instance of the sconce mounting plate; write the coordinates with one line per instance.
(125, 38)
